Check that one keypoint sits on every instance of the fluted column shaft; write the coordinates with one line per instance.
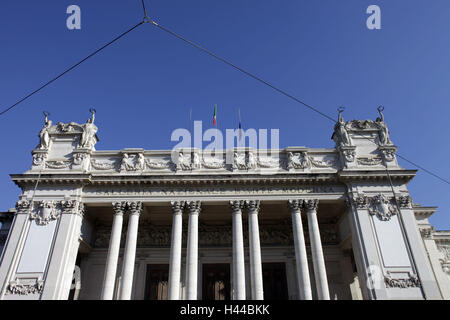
(320, 273)
(192, 251)
(304, 283)
(113, 251)
(238, 251)
(175, 250)
(130, 250)
(255, 250)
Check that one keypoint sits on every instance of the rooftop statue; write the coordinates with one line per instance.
(89, 130)
(44, 137)
(383, 130)
(341, 130)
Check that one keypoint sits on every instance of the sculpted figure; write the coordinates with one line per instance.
(196, 161)
(44, 136)
(341, 130)
(383, 132)
(89, 131)
(251, 161)
(140, 162)
(183, 162)
(126, 165)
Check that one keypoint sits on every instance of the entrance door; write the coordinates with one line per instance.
(274, 281)
(216, 281)
(157, 284)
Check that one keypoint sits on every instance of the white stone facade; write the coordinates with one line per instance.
(306, 223)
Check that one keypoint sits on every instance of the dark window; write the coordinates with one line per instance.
(216, 281)
(274, 281)
(157, 283)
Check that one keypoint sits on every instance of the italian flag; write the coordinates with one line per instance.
(215, 111)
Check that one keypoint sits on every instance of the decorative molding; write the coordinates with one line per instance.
(411, 282)
(136, 163)
(404, 201)
(237, 205)
(213, 163)
(194, 207)
(252, 205)
(298, 160)
(295, 205)
(366, 161)
(427, 233)
(14, 287)
(178, 206)
(158, 165)
(388, 152)
(135, 207)
(59, 164)
(119, 208)
(98, 165)
(72, 207)
(23, 206)
(361, 201)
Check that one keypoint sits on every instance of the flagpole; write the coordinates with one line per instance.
(190, 126)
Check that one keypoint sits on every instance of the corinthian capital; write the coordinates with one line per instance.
(194, 207)
(119, 207)
(252, 205)
(311, 204)
(178, 206)
(135, 207)
(237, 205)
(295, 205)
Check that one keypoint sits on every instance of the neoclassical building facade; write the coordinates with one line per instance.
(294, 223)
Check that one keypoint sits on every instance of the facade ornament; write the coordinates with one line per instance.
(89, 130)
(295, 205)
(361, 201)
(411, 282)
(135, 207)
(46, 212)
(237, 205)
(252, 163)
(311, 204)
(178, 206)
(119, 208)
(213, 164)
(388, 152)
(196, 161)
(39, 158)
(72, 207)
(44, 134)
(383, 133)
(268, 163)
(340, 135)
(193, 206)
(184, 161)
(445, 261)
(98, 165)
(427, 233)
(58, 164)
(14, 287)
(158, 165)
(404, 201)
(349, 154)
(239, 161)
(298, 160)
(137, 163)
(321, 163)
(365, 161)
(252, 205)
(382, 207)
(23, 206)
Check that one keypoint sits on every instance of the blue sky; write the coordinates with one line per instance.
(144, 85)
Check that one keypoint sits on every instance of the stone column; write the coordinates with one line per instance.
(255, 250)
(109, 279)
(192, 251)
(175, 250)
(238, 251)
(304, 284)
(320, 273)
(130, 250)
